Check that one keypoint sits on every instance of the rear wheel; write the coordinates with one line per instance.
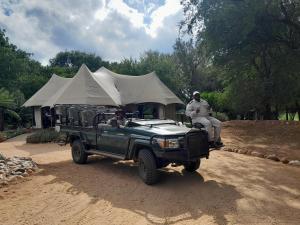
(78, 154)
(147, 167)
(192, 166)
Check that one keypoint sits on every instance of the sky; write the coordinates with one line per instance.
(112, 29)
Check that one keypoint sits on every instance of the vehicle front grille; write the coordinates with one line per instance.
(197, 144)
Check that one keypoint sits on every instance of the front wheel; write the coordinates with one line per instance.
(78, 154)
(192, 166)
(147, 167)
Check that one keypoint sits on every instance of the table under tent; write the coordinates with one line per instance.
(77, 99)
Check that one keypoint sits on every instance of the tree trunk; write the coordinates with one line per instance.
(276, 113)
(286, 114)
(1, 119)
(268, 112)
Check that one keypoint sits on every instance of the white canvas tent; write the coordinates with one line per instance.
(49, 89)
(105, 87)
(136, 89)
(54, 85)
(85, 89)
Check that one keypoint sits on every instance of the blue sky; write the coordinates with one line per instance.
(113, 29)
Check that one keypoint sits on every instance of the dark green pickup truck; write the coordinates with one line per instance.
(152, 143)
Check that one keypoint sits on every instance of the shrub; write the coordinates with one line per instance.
(2, 136)
(220, 116)
(11, 133)
(43, 136)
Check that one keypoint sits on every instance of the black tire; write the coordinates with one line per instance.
(192, 166)
(147, 167)
(78, 154)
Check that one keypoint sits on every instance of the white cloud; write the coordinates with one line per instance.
(109, 28)
(171, 7)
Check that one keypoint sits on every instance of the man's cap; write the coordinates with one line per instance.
(196, 92)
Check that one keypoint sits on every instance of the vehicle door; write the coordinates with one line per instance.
(112, 139)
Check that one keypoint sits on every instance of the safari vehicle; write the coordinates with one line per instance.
(152, 143)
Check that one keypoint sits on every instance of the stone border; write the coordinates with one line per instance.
(272, 157)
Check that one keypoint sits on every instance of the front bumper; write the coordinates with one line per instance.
(177, 155)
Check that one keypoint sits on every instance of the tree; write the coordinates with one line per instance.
(256, 43)
(126, 66)
(7, 102)
(166, 69)
(188, 59)
(74, 59)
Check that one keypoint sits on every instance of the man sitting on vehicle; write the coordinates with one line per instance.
(199, 111)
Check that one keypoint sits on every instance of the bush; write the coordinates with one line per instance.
(2, 137)
(11, 133)
(220, 116)
(44, 136)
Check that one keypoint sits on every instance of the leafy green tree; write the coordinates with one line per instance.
(126, 66)
(255, 42)
(166, 69)
(7, 102)
(74, 59)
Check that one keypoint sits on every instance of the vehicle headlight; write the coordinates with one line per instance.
(167, 143)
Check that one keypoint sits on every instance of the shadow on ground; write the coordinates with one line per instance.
(186, 196)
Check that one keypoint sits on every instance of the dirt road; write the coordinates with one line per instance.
(229, 188)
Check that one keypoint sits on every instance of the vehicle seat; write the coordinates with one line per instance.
(73, 116)
(87, 117)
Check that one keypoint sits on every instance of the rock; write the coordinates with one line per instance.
(257, 154)
(294, 162)
(9, 163)
(273, 157)
(235, 150)
(242, 151)
(29, 171)
(2, 157)
(25, 174)
(25, 158)
(21, 170)
(2, 177)
(284, 160)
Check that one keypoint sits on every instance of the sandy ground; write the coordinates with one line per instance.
(229, 188)
(268, 137)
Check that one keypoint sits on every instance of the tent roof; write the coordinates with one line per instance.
(52, 86)
(84, 89)
(135, 89)
(103, 87)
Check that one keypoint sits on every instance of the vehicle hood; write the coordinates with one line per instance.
(163, 129)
